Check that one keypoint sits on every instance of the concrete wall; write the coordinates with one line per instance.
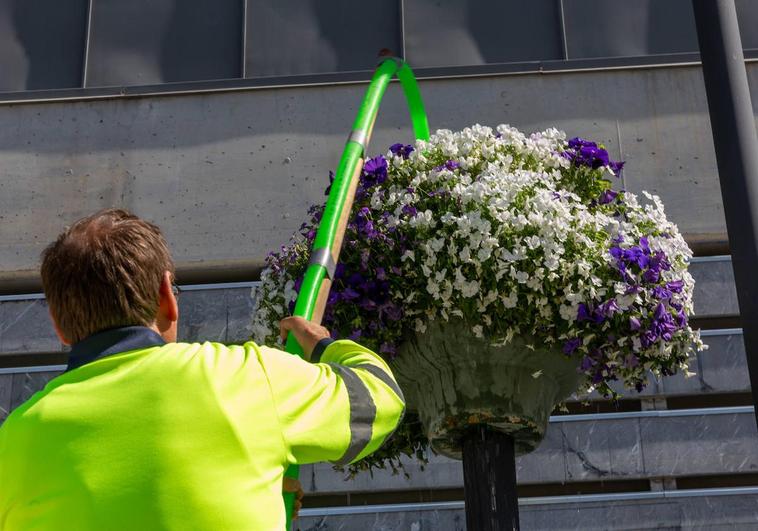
(230, 175)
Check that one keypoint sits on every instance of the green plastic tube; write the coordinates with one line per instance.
(337, 201)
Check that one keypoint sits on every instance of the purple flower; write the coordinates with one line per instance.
(578, 143)
(651, 275)
(587, 363)
(631, 361)
(410, 210)
(632, 290)
(449, 165)
(374, 172)
(616, 166)
(661, 293)
(571, 345)
(594, 157)
(393, 312)
(355, 334)
(607, 197)
(634, 323)
(381, 274)
(608, 308)
(584, 313)
(402, 150)
(387, 348)
(365, 254)
(675, 286)
(349, 294)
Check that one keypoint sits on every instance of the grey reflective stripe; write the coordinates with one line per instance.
(383, 376)
(386, 378)
(362, 413)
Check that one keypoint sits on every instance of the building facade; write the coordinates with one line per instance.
(220, 121)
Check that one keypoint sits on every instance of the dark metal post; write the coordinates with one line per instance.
(489, 479)
(736, 143)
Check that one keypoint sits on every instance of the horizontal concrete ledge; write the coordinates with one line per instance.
(190, 88)
(538, 500)
(711, 247)
(200, 272)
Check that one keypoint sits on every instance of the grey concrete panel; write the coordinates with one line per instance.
(715, 291)
(720, 369)
(6, 387)
(602, 449)
(229, 176)
(27, 383)
(699, 445)
(686, 513)
(548, 464)
(413, 520)
(25, 326)
(17, 388)
(239, 310)
(223, 314)
(203, 316)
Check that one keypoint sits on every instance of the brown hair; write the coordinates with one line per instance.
(103, 272)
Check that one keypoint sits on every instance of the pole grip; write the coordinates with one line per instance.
(314, 291)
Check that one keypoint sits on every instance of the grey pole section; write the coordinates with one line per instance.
(736, 142)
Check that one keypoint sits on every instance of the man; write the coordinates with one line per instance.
(144, 433)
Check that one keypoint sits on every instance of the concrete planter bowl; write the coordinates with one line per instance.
(455, 381)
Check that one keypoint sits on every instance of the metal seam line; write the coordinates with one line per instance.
(87, 39)
(564, 40)
(402, 29)
(39, 368)
(183, 287)
(323, 257)
(715, 258)
(362, 413)
(538, 500)
(243, 58)
(654, 413)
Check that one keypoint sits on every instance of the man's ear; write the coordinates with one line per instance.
(168, 307)
(57, 328)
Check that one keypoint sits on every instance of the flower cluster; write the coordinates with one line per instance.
(516, 235)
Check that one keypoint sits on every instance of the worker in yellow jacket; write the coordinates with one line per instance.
(143, 433)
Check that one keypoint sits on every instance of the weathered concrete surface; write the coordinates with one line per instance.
(595, 449)
(229, 176)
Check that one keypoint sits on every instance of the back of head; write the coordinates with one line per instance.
(105, 271)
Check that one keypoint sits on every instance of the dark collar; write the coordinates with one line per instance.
(110, 342)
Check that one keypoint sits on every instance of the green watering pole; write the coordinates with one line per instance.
(311, 299)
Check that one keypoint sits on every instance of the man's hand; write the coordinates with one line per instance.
(293, 485)
(306, 332)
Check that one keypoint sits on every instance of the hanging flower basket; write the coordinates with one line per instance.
(498, 272)
(455, 380)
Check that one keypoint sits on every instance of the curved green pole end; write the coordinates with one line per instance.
(354, 152)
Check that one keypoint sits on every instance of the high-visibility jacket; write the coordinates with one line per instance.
(185, 436)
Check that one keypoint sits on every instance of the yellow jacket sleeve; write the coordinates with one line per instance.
(340, 410)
